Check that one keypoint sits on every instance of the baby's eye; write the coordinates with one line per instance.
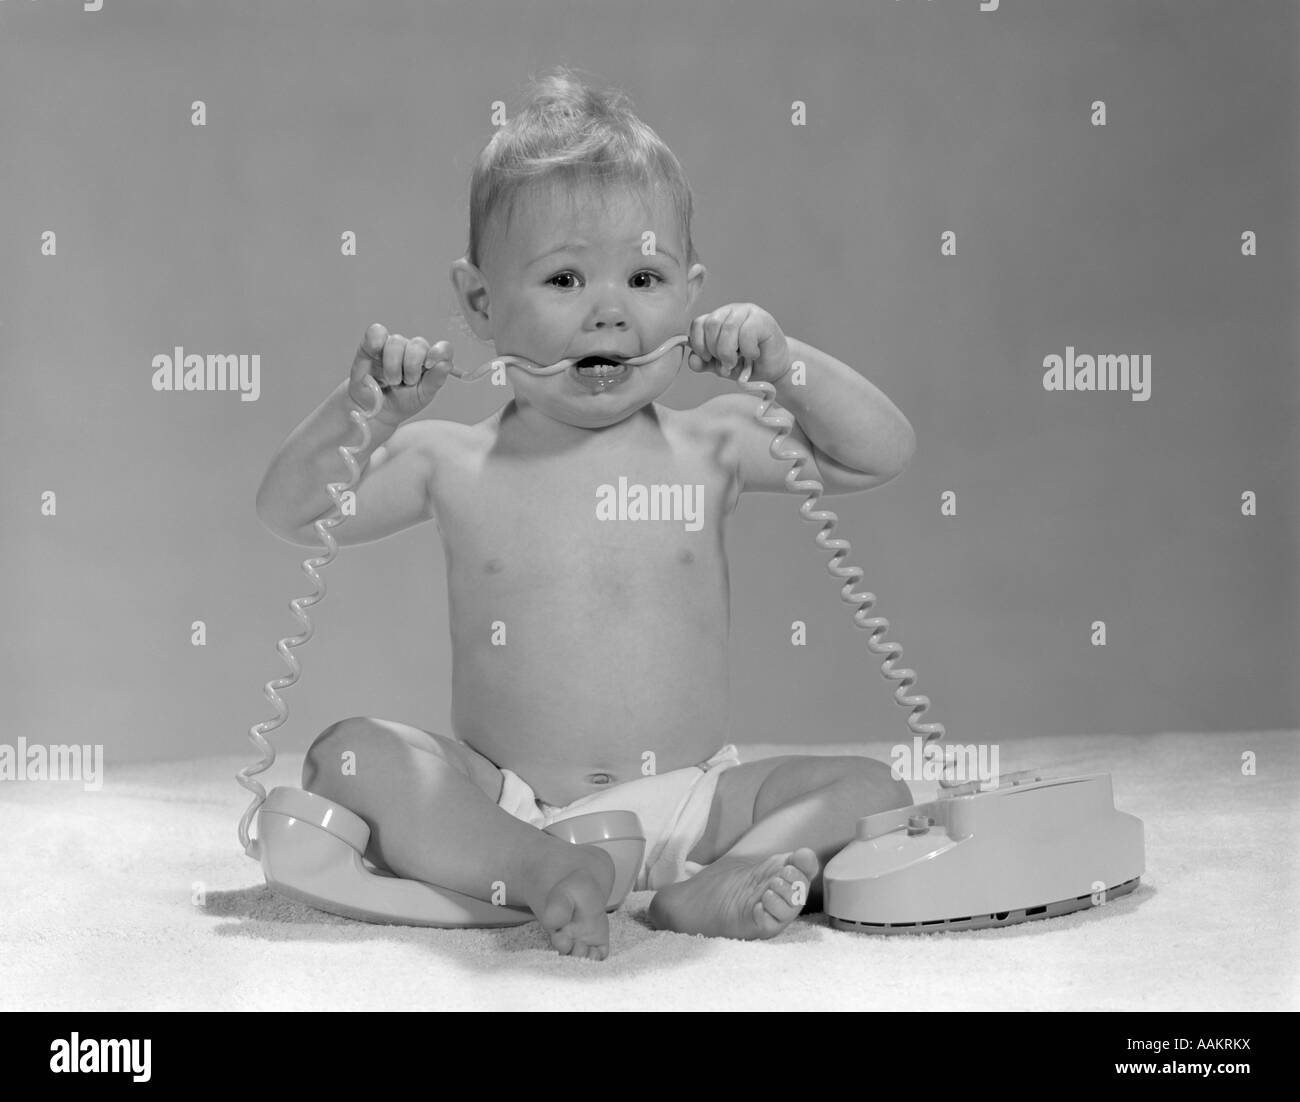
(653, 275)
(563, 275)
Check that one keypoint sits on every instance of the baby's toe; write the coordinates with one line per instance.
(778, 906)
(768, 924)
(593, 952)
(787, 886)
(802, 861)
(796, 886)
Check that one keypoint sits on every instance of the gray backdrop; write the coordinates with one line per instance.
(325, 116)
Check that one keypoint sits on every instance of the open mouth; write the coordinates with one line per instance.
(600, 366)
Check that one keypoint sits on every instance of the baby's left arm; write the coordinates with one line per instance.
(857, 437)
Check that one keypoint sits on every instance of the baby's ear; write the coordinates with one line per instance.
(695, 283)
(472, 292)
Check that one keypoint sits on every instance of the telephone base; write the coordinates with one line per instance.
(1031, 848)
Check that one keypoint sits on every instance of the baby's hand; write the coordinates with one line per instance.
(410, 372)
(719, 339)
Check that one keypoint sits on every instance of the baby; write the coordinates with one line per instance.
(589, 640)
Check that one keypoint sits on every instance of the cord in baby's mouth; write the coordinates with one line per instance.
(563, 365)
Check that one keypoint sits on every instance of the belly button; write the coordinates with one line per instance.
(494, 566)
(600, 778)
(685, 555)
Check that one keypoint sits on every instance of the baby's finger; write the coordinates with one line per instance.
(729, 337)
(747, 340)
(436, 369)
(417, 348)
(697, 338)
(712, 331)
(394, 350)
(438, 360)
(369, 351)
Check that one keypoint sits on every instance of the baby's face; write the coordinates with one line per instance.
(569, 279)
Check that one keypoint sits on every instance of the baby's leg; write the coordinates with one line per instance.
(773, 804)
(773, 826)
(430, 802)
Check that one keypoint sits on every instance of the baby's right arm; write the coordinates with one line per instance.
(393, 491)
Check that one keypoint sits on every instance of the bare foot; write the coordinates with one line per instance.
(740, 897)
(572, 909)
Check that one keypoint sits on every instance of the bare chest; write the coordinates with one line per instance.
(607, 525)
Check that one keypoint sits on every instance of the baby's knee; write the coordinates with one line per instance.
(876, 786)
(333, 750)
(363, 747)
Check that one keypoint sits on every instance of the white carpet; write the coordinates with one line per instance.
(96, 912)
